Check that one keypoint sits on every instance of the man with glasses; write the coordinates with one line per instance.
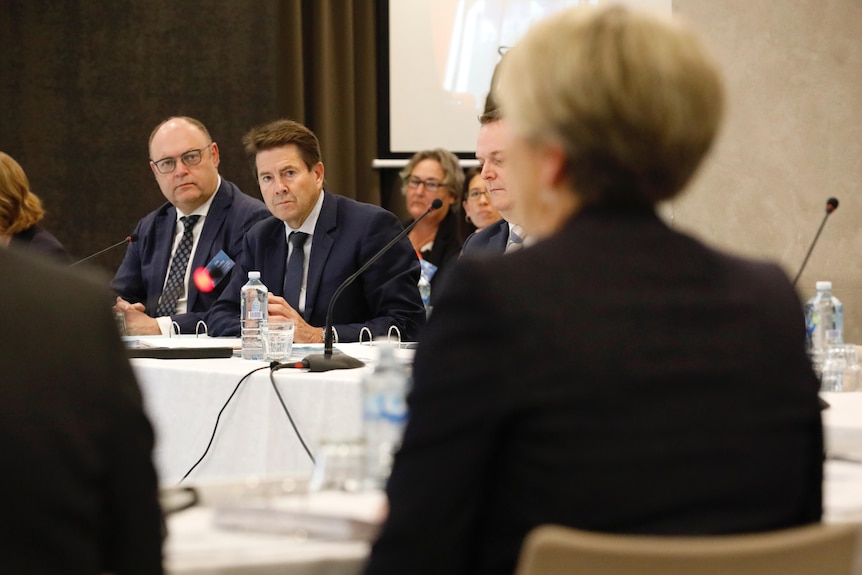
(202, 224)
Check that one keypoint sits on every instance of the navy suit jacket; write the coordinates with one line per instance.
(141, 276)
(348, 233)
(492, 239)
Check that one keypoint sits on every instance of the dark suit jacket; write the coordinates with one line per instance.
(141, 276)
(38, 239)
(617, 377)
(492, 239)
(347, 235)
(80, 490)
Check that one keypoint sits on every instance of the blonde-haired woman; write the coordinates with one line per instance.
(618, 375)
(20, 214)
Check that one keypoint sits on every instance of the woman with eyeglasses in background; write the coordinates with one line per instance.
(429, 175)
(479, 212)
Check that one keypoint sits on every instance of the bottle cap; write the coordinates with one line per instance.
(256, 276)
(821, 286)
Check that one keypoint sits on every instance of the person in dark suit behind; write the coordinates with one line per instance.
(505, 235)
(20, 213)
(154, 282)
(430, 175)
(313, 242)
(641, 382)
(79, 489)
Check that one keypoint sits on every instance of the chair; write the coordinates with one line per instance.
(817, 549)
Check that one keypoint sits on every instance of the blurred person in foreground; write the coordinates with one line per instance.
(641, 382)
(202, 223)
(20, 213)
(479, 212)
(430, 175)
(313, 242)
(80, 490)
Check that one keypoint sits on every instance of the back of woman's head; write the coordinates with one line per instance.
(19, 207)
(634, 100)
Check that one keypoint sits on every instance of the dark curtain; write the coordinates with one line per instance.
(84, 82)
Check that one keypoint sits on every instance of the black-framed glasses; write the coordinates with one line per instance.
(474, 194)
(430, 185)
(190, 158)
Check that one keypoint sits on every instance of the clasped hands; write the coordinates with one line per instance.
(139, 323)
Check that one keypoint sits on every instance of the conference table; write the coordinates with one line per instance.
(255, 455)
(254, 439)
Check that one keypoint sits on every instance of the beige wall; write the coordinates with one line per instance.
(792, 138)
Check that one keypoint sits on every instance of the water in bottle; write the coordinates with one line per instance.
(384, 414)
(253, 305)
(824, 323)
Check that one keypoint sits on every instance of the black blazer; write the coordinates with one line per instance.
(79, 489)
(141, 276)
(491, 240)
(618, 377)
(38, 239)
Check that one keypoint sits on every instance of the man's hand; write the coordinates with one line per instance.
(303, 333)
(137, 321)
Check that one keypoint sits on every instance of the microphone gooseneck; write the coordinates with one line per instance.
(831, 206)
(325, 361)
(128, 240)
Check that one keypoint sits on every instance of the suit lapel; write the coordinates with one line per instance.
(501, 238)
(165, 228)
(320, 248)
(213, 223)
(275, 257)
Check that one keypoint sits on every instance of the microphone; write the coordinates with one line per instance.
(128, 240)
(831, 206)
(326, 361)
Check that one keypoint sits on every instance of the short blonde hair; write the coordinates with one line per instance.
(19, 207)
(634, 99)
(453, 173)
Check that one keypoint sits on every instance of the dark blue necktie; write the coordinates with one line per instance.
(295, 264)
(175, 287)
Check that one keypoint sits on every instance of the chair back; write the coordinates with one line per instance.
(816, 549)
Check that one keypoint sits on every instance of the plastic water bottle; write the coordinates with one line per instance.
(253, 305)
(824, 323)
(384, 413)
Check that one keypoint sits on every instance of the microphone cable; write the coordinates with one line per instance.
(275, 366)
(218, 417)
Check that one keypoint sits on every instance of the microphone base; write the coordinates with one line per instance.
(323, 362)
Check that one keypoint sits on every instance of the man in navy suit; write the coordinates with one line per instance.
(153, 282)
(503, 236)
(313, 242)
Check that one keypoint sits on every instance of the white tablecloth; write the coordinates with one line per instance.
(254, 437)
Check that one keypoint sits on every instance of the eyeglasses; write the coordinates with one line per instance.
(190, 158)
(474, 194)
(430, 185)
